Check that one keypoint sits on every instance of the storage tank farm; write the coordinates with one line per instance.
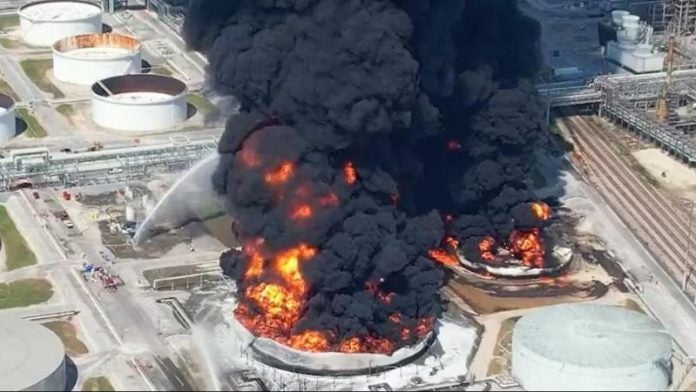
(590, 347)
(7, 118)
(87, 58)
(142, 102)
(32, 357)
(42, 23)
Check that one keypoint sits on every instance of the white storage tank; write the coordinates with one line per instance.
(44, 22)
(616, 17)
(589, 347)
(32, 357)
(7, 118)
(84, 59)
(141, 102)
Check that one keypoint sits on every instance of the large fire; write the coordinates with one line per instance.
(275, 294)
(525, 245)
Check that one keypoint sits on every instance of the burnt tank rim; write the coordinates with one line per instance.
(6, 102)
(140, 83)
(97, 40)
(21, 9)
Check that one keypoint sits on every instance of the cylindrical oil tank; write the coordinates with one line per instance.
(616, 17)
(143, 102)
(32, 357)
(590, 347)
(84, 59)
(631, 26)
(7, 118)
(44, 22)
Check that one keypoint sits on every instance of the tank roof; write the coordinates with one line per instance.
(6, 102)
(593, 336)
(29, 353)
(59, 10)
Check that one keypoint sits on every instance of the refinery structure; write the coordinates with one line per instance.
(159, 234)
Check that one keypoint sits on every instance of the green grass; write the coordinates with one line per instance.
(500, 364)
(95, 384)
(7, 90)
(36, 70)
(25, 292)
(9, 43)
(34, 128)
(17, 251)
(202, 104)
(65, 109)
(68, 335)
(9, 21)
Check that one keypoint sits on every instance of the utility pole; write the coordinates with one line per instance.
(687, 260)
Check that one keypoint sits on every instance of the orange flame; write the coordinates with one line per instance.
(255, 268)
(452, 242)
(442, 257)
(528, 246)
(541, 210)
(280, 175)
(313, 341)
(486, 248)
(349, 173)
(301, 212)
(351, 345)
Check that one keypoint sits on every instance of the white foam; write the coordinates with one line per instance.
(97, 52)
(3, 111)
(60, 11)
(141, 97)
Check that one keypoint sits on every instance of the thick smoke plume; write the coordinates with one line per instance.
(370, 131)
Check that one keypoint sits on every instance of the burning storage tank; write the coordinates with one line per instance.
(578, 347)
(7, 118)
(32, 357)
(141, 102)
(84, 59)
(45, 22)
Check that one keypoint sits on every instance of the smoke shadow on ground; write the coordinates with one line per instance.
(145, 66)
(71, 374)
(20, 126)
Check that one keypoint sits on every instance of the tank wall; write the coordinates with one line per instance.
(56, 381)
(141, 117)
(7, 126)
(87, 71)
(45, 33)
(545, 375)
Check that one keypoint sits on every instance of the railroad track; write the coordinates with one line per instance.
(642, 206)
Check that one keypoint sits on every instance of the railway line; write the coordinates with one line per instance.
(643, 207)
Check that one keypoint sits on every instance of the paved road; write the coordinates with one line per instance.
(650, 217)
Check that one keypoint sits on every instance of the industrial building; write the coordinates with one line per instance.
(579, 347)
(633, 47)
(32, 357)
(85, 59)
(7, 118)
(44, 22)
(140, 102)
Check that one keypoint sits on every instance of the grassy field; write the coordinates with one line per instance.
(7, 90)
(34, 128)
(500, 363)
(65, 109)
(36, 70)
(96, 384)
(68, 334)
(25, 292)
(9, 43)
(9, 21)
(17, 251)
(202, 104)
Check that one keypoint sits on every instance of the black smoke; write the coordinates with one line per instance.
(431, 99)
